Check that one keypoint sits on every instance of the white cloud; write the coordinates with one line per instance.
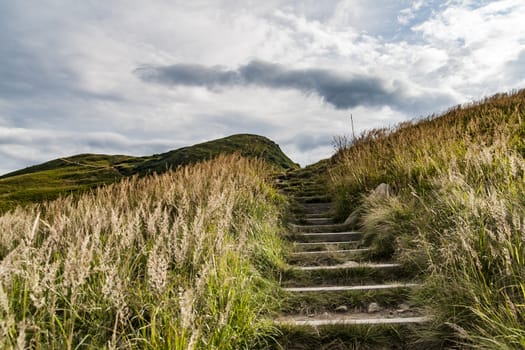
(406, 15)
(479, 41)
(68, 68)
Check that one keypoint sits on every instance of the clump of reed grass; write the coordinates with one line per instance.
(456, 214)
(172, 261)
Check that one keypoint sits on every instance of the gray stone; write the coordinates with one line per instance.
(353, 218)
(383, 190)
(401, 308)
(374, 307)
(341, 308)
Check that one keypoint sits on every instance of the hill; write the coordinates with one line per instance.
(82, 172)
(454, 215)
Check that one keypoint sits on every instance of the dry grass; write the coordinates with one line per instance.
(164, 262)
(457, 214)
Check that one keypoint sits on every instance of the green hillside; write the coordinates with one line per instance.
(82, 172)
(247, 145)
(454, 215)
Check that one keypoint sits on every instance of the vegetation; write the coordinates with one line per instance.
(187, 259)
(456, 214)
(83, 172)
(181, 260)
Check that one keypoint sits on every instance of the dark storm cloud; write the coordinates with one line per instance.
(342, 92)
(190, 75)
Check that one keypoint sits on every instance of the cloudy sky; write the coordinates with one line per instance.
(143, 77)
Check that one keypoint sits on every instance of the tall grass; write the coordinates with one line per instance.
(457, 213)
(177, 261)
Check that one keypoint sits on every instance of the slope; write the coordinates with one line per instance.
(454, 214)
(82, 172)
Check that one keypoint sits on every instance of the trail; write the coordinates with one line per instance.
(335, 296)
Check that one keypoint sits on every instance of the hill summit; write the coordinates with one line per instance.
(85, 171)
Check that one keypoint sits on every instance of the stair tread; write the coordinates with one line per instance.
(347, 265)
(342, 251)
(351, 288)
(348, 319)
(318, 204)
(319, 215)
(321, 243)
(325, 236)
(322, 220)
(319, 227)
(327, 233)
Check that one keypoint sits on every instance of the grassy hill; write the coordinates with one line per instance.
(82, 172)
(455, 214)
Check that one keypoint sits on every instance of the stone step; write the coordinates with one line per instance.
(356, 335)
(326, 257)
(319, 228)
(352, 319)
(302, 186)
(310, 300)
(303, 191)
(326, 236)
(312, 199)
(348, 273)
(348, 265)
(318, 221)
(317, 215)
(315, 208)
(351, 288)
(328, 252)
(317, 246)
(297, 183)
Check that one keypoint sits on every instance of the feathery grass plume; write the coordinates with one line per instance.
(169, 261)
(458, 204)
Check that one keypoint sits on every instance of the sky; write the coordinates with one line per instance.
(143, 77)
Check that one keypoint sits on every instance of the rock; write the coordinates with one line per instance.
(404, 306)
(401, 308)
(341, 308)
(374, 307)
(354, 216)
(383, 190)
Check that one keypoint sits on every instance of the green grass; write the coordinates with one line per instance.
(77, 174)
(357, 337)
(455, 214)
(343, 276)
(319, 302)
(173, 261)
(333, 258)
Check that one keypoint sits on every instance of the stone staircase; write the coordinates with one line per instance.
(334, 296)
